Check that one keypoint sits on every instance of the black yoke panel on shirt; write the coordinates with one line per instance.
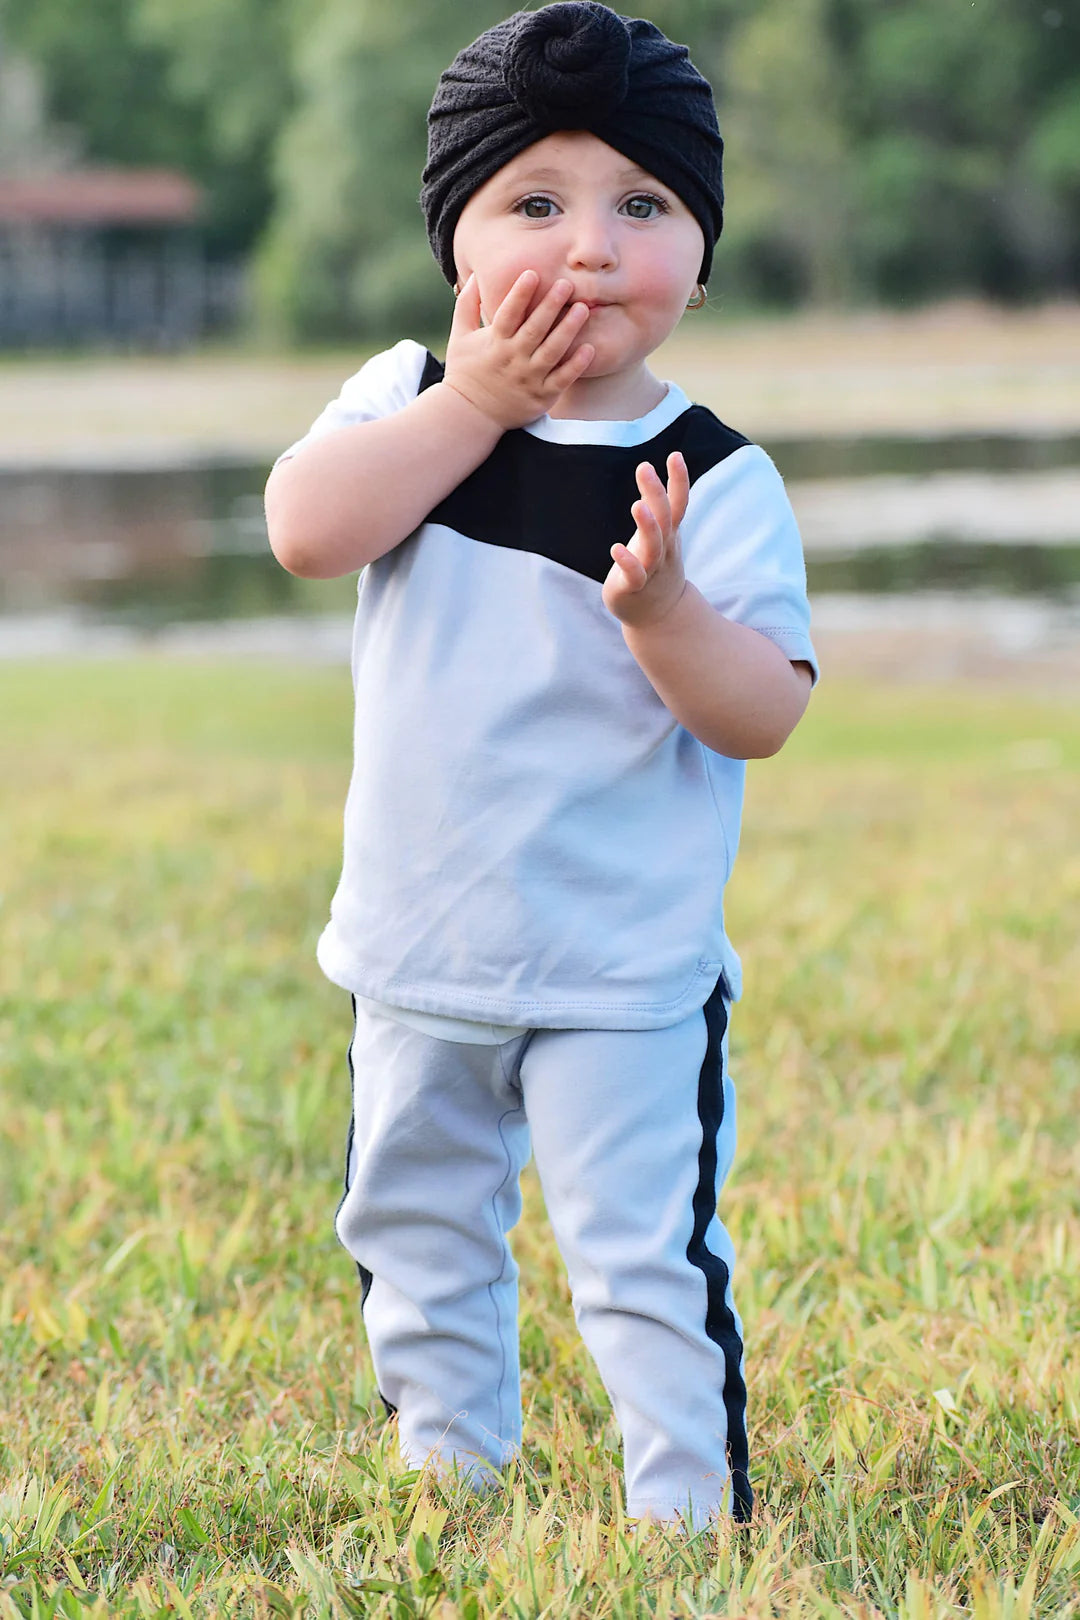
(570, 502)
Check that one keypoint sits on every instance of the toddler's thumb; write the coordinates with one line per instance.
(467, 307)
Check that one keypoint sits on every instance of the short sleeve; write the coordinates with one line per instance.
(743, 551)
(383, 385)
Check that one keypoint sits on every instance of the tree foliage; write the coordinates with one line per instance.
(893, 150)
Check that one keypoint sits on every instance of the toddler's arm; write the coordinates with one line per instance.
(354, 494)
(729, 685)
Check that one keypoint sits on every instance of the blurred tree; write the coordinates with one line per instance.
(28, 139)
(347, 251)
(942, 105)
(229, 65)
(1046, 211)
(100, 79)
(789, 170)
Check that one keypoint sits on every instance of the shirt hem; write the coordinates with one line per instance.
(343, 969)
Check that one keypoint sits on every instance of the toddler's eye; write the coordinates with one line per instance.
(527, 204)
(645, 201)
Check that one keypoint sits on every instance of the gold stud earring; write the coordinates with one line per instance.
(698, 300)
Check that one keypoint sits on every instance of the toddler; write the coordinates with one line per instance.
(581, 608)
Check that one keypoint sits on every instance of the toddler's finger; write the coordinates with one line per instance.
(467, 308)
(572, 368)
(545, 321)
(511, 311)
(648, 543)
(634, 574)
(651, 486)
(561, 336)
(678, 486)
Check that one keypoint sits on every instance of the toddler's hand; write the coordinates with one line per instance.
(515, 369)
(646, 578)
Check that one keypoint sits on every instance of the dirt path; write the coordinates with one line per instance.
(959, 367)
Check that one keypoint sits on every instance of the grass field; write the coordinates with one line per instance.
(188, 1419)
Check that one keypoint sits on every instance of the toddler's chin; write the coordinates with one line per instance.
(605, 363)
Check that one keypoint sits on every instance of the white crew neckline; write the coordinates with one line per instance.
(576, 430)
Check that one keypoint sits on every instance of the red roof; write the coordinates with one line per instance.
(100, 197)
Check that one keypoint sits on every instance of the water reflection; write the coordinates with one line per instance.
(962, 452)
(145, 547)
(935, 565)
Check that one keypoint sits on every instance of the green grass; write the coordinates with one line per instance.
(187, 1417)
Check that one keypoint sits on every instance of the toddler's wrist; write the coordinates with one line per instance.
(650, 622)
(487, 414)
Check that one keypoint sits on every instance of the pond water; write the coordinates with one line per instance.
(146, 549)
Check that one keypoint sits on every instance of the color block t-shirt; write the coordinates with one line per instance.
(531, 838)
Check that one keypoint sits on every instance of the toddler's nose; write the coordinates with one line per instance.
(592, 243)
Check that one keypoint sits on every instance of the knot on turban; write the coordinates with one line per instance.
(569, 61)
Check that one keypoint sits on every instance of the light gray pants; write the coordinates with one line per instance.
(633, 1133)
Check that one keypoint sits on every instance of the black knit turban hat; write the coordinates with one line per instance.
(572, 65)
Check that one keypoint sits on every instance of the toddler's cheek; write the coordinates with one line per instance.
(662, 288)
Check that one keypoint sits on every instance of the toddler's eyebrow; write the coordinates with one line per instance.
(634, 173)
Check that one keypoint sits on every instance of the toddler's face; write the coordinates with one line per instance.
(572, 207)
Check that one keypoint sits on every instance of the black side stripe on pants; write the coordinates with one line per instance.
(365, 1275)
(719, 1320)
